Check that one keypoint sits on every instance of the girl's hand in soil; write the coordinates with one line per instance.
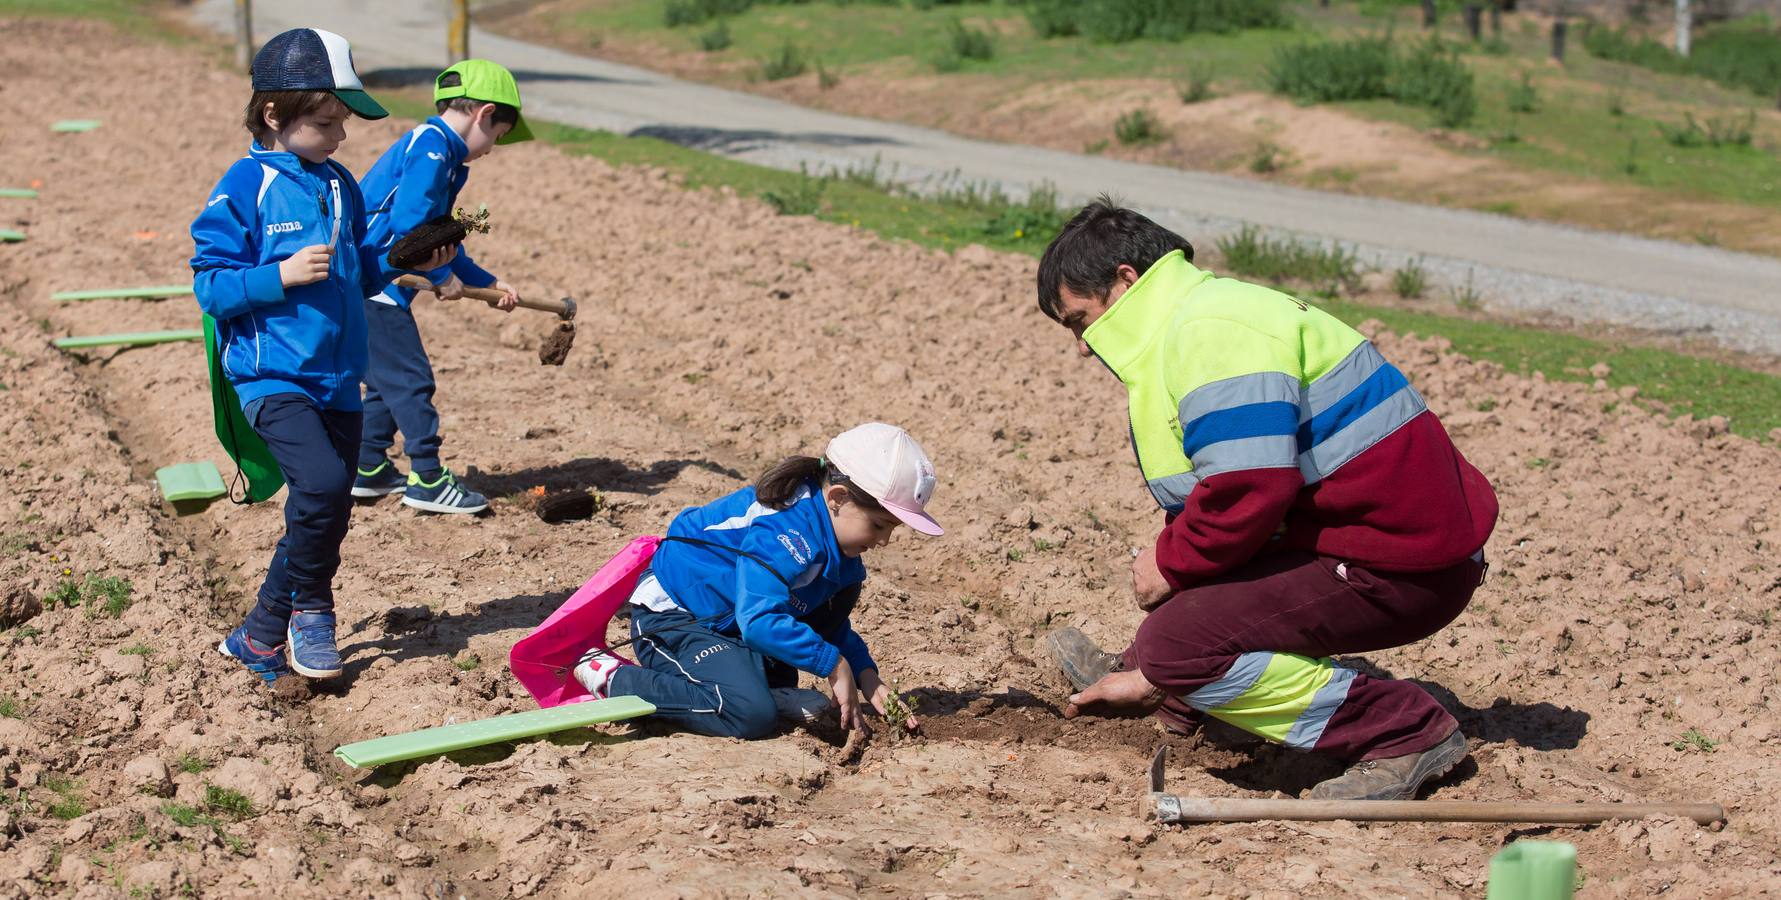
(307, 266)
(880, 693)
(509, 297)
(1118, 694)
(847, 696)
(449, 289)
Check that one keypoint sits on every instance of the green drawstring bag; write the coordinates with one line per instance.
(253, 461)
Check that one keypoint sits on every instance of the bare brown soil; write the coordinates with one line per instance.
(1316, 147)
(1631, 600)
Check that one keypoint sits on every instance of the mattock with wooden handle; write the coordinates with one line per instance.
(1164, 807)
(564, 308)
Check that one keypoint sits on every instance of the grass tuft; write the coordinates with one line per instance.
(1278, 260)
(1138, 128)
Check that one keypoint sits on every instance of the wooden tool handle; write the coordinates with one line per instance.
(564, 308)
(1172, 808)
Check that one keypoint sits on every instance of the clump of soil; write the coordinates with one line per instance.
(442, 230)
(555, 348)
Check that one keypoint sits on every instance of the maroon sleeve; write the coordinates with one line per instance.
(1226, 520)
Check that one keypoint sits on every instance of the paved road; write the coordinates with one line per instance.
(1516, 265)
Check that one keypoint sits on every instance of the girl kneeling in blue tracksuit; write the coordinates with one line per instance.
(746, 591)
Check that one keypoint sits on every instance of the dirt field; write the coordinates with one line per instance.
(1630, 600)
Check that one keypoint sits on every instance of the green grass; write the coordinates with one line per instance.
(1751, 400)
(102, 595)
(68, 803)
(1693, 739)
(228, 801)
(1277, 260)
(191, 763)
(11, 708)
(136, 15)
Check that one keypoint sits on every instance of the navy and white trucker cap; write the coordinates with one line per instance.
(310, 59)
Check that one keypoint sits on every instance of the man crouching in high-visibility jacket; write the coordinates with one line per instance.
(1313, 506)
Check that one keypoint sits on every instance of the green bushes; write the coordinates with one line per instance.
(1252, 253)
(1746, 54)
(963, 43)
(694, 12)
(1719, 131)
(1430, 75)
(1118, 21)
(786, 62)
(1138, 128)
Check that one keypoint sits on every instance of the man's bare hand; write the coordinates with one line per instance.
(1148, 584)
(1116, 695)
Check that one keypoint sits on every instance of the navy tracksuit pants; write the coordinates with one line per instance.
(315, 449)
(398, 390)
(709, 682)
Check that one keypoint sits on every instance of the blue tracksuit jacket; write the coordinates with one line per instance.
(309, 339)
(798, 542)
(417, 179)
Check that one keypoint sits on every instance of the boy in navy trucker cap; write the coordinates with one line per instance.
(282, 266)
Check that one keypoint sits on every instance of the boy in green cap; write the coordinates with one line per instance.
(417, 179)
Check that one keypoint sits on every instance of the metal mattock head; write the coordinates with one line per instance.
(1157, 764)
(569, 309)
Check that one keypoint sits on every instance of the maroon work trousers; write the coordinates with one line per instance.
(1296, 602)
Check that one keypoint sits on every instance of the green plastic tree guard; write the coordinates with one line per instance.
(511, 727)
(67, 125)
(9, 236)
(147, 293)
(131, 339)
(1533, 870)
(18, 193)
(190, 487)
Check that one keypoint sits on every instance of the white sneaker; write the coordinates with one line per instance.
(594, 671)
(800, 706)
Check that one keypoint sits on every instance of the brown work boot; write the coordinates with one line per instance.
(1083, 662)
(1397, 778)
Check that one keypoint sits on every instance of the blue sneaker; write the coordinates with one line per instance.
(266, 662)
(377, 481)
(311, 639)
(442, 495)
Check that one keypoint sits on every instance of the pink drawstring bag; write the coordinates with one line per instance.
(543, 660)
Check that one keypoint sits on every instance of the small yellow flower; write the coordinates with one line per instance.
(67, 571)
(1019, 233)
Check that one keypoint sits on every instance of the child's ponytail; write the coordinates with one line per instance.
(780, 484)
(777, 487)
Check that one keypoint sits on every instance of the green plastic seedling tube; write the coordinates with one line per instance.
(9, 236)
(129, 339)
(18, 193)
(146, 293)
(1533, 870)
(512, 727)
(190, 487)
(67, 125)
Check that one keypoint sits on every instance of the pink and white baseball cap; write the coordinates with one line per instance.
(885, 462)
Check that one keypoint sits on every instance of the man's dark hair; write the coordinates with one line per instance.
(1086, 255)
(504, 114)
(287, 107)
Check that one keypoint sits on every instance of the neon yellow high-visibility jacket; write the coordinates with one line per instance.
(1255, 414)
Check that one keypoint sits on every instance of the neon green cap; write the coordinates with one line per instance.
(490, 82)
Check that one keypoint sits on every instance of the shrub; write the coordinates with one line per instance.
(787, 62)
(1719, 131)
(1321, 73)
(1746, 54)
(1138, 127)
(1251, 252)
(1198, 86)
(1268, 157)
(804, 197)
(969, 43)
(1039, 215)
(1524, 97)
(1432, 75)
(1411, 281)
(1118, 21)
(717, 38)
(693, 12)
